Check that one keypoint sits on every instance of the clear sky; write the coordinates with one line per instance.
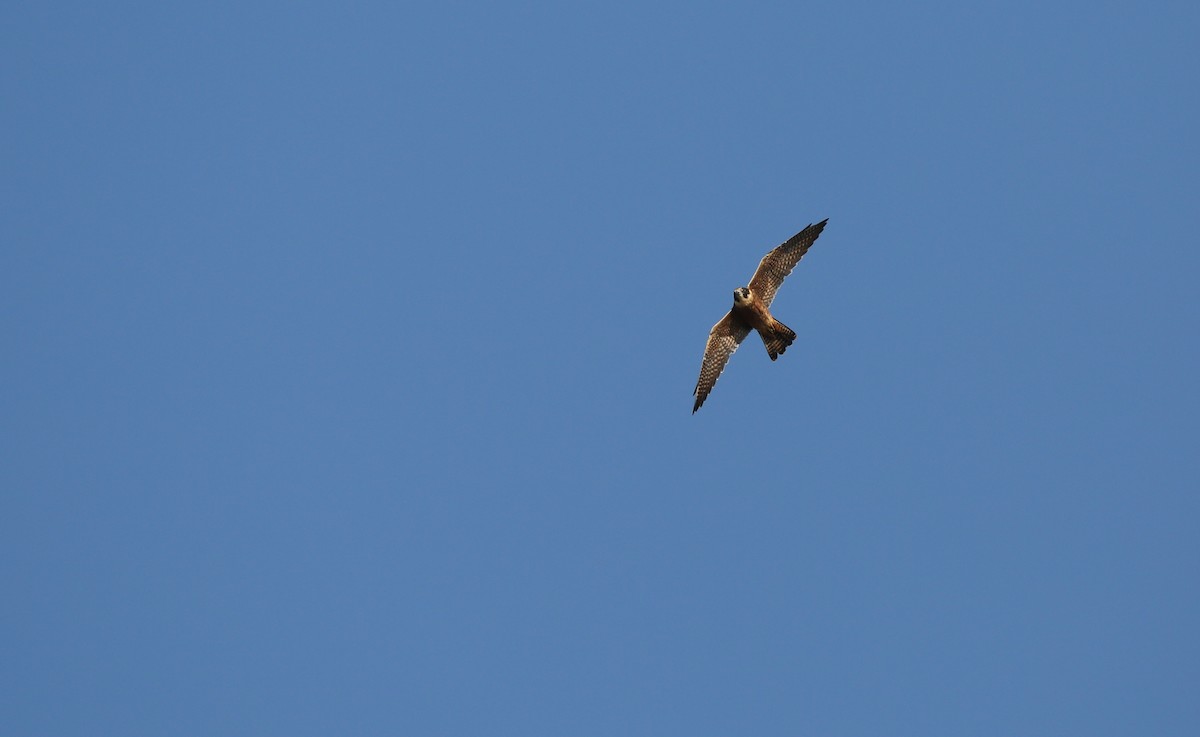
(348, 352)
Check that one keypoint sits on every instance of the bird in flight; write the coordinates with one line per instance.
(751, 309)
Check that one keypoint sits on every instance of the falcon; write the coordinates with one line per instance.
(751, 310)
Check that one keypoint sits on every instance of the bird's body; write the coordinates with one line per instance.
(751, 311)
(748, 308)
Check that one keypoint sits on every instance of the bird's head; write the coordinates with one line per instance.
(741, 295)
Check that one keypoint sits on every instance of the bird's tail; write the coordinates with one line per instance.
(777, 339)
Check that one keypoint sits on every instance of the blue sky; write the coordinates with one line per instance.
(349, 351)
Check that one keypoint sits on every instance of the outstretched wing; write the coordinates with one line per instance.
(723, 340)
(777, 264)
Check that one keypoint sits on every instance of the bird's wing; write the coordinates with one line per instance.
(723, 340)
(777, 264)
